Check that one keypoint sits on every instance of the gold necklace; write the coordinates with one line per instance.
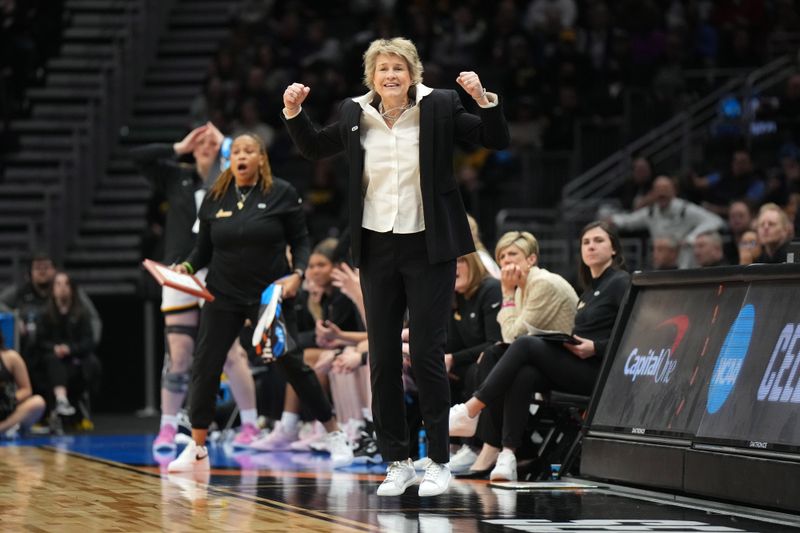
(242, 196)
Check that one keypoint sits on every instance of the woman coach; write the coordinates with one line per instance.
(408, 226)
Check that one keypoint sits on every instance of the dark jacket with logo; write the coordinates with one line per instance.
(473, 325)
(598, 307)
(443, 121)
(245, 249)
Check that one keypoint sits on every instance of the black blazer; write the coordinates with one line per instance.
(443, 120)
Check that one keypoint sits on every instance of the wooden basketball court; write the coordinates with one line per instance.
(97, 483)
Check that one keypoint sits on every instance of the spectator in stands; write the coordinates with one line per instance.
(185, 187)
(213, 99)
(324, 199)
(740, 220)
(741, 182)
(532, 297)
(412, 230)
(670, 215)
(250, 121)
(245, 251)
(19, 407)
(749, 247)
(457, 44)
(666, 250)
(64, 345)
(740, 51)
(790, 104)
(533, 364)
(29, 300)
(774, 233)
(544, 14)
(708, 250)
(637, 191)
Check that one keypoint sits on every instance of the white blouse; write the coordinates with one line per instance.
(390, 184)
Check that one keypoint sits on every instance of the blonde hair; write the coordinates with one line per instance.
(397, 46)
(521, 239)
(477, 273)
(224, 180)
(476, 232)
(772, 206)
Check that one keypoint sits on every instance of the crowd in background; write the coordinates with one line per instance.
(553, 62)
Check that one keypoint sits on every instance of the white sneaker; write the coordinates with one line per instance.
(63, 407)
(506, 467)
(340, 449)
(192, 458)
(461, 424)
(462, 459)
(437, 479)
(399, 476)
(11, 433)
(422, 463)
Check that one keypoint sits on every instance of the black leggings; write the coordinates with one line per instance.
(219, 326)
(529, 365)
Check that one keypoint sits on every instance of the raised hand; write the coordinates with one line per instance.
(472, 84)
(214, 132)
(190, 142)
(347, 280)
(294, 96)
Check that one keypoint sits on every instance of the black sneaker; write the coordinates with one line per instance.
(366, 450)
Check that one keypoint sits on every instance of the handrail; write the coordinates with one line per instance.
(93, 138)
(663, 141)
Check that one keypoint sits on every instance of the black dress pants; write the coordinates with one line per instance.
(396, 274)
(220, 324)
(530, 365)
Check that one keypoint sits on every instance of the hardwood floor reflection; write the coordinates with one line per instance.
(44, 490)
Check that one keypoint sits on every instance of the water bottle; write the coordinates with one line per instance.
(555, 472)
(422, 442)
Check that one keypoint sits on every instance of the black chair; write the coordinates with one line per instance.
(556, 430)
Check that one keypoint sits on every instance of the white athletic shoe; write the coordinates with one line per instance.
(461, 424)
(399, 476)
(340, 449)
(506, 467)
(422, 463)
(192, 458)
(462, 459)
(437, 479)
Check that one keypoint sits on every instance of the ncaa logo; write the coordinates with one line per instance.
(731, 358)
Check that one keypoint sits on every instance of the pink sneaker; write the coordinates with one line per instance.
(247, 434)
(277, 440)
(313, 437)
(165, 441)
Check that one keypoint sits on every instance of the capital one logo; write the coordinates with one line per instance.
(658, 363)
(731, 358)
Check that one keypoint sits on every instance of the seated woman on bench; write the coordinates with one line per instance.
(533, 364)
